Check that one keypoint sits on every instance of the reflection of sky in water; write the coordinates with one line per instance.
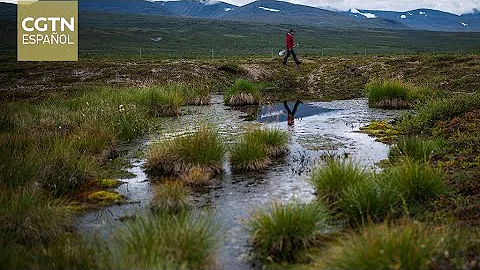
(277, 112)
(320, 128)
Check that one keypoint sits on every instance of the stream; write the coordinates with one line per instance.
(320, 129)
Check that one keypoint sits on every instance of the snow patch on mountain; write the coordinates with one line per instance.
(464, 24)
(228, 9)
(403, 16)
(269, 9)
(367, 15)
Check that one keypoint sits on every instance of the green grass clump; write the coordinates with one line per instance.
(29, 217)
(389, 94)
(163, 100)
(337, 175)
(373, 199)
(193, 95)
(438, 110)
(414, 148)
(65, 253)
(249, 155)
(170, 198)
(179, 241)
(256, 147)
(241, 93)
(407, 246)
(417, 182)
(64, 170)
(279, 233)
(178, 157)
(275, 140)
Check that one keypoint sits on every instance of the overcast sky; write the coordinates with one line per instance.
(452, 6)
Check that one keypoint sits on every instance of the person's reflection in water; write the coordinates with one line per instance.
(291, 113)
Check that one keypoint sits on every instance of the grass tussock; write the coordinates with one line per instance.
(374, 199)
(257, 147)
(389, 94)
(280, 232)
(179, 241)
(417, 182)
(197, 95)
(170, 198)
(164, 100)
(249, 155)
(405, 246)
(30, 217)
(242, 93)
(275, 140)
(336, 176)
(414, 148)
(183, 156)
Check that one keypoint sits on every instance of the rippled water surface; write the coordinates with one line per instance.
(321, 128)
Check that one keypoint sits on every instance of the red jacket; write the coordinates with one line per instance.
(289, 41)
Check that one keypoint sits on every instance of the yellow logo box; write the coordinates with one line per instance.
(47, 30)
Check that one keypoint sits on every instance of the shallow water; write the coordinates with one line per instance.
(321, 128)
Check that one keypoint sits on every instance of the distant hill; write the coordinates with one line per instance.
(271, 11)
(425, 19)
(267, 11)
(185, 8)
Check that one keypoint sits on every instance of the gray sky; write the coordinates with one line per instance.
(452, 6)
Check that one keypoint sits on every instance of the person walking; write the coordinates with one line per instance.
(290, 44)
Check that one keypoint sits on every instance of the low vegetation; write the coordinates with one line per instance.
(249, 155)
(241, 93)
(281, 232)
(396, 94)
(275, 140)
(405, 246)
(182, 156)
(256, 149)
(333, 178)
(183, 241)
(417, 182)
(30, 217)
(388, 94)
(373, 200)
(414, 148)
(164, 101)
(170, 198)
(438, 110)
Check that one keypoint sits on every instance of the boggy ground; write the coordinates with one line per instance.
(319, 78)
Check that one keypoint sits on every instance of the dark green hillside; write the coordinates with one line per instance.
(102, 33)
(119, 35)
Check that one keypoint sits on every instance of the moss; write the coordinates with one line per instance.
(109, 183)
(383, 131)
(106, 197)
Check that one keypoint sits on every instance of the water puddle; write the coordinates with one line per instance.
(320, 128)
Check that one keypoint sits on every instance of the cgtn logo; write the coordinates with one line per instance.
(47, 31)
(43, 24)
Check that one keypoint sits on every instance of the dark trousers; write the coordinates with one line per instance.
(294, 57)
